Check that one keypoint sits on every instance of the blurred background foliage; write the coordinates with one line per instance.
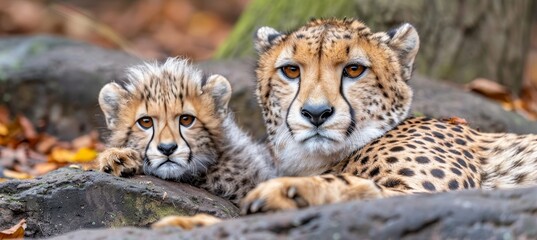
(146, 28)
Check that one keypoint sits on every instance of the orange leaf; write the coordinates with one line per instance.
(490, 89)
(84, 155)
(60, 155)
(3, 130)
(456, 121)
(46, 143)
(42, 168)
(27, 128)
(4, 115)
(15, 232)
(85, 141)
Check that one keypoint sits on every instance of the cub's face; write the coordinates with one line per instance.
(170, 115)
(332, 86)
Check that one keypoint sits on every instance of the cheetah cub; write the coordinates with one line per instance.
(335, 99)
(171, 122)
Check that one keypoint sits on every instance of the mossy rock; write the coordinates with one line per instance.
(69, 199)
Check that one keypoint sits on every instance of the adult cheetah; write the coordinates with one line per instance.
(335, 100)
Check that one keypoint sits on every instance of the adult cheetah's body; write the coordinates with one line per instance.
(361, 139)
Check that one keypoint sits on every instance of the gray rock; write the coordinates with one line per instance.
(440, 100)
(501, 214)
(57, 81)
(69, 199)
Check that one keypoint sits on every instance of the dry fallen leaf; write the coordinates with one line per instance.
(84, 141)
(17, 175)
(27, 128)
(490, 89)
(455, 120)
(84, 155)
(46, 143)
(15, 232)
(45, 167)
(3, 130)
(60, 155)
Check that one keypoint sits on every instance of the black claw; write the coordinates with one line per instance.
(255, 206)
(119, 161)
(128, 173)
(107, 169)
(300, 202)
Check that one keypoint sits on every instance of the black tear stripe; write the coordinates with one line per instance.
(289, 109)
(189, 160)
(146, 159)
(352, 125)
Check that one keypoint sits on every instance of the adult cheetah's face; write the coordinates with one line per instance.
(170, 115)
(332, 85)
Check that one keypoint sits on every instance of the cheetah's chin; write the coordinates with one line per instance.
(165, 168)
(321, 145)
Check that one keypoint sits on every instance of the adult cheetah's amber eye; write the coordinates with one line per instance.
(291, 71)
(186, 120)
(145, 122)
(353, 70)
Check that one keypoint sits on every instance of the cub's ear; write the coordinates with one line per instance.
(219, 89)
(404, 40)
(110, 99)
(266, 37)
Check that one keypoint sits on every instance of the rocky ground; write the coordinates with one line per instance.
(56, 81)
(70, 199)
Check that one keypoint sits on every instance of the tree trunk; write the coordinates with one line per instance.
(460, 40)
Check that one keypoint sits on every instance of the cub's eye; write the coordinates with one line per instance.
(290, 71)
(186, 120)
(145, 122)
(353, 70)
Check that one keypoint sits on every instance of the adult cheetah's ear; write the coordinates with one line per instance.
(266, 37)
(110, 99)
(219, 89)
(405, 41)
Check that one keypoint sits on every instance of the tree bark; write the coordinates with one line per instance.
(460, 40)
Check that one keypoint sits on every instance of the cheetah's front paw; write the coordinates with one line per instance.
(299, 192)
(283, 194)
(187, 223)
(120, 161)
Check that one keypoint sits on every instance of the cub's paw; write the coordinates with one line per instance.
(283, 194)
(187, 223)
(120, 161)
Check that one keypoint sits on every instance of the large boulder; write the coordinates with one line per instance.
(500, 214)
(69, 199)
(56, 81)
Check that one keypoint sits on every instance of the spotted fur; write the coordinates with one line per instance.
(367, 148)
(212, 152)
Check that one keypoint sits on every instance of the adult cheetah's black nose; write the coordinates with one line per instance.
(167, 148)
(317, 114)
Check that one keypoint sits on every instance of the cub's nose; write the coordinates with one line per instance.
(317, 114)
(167, 148)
